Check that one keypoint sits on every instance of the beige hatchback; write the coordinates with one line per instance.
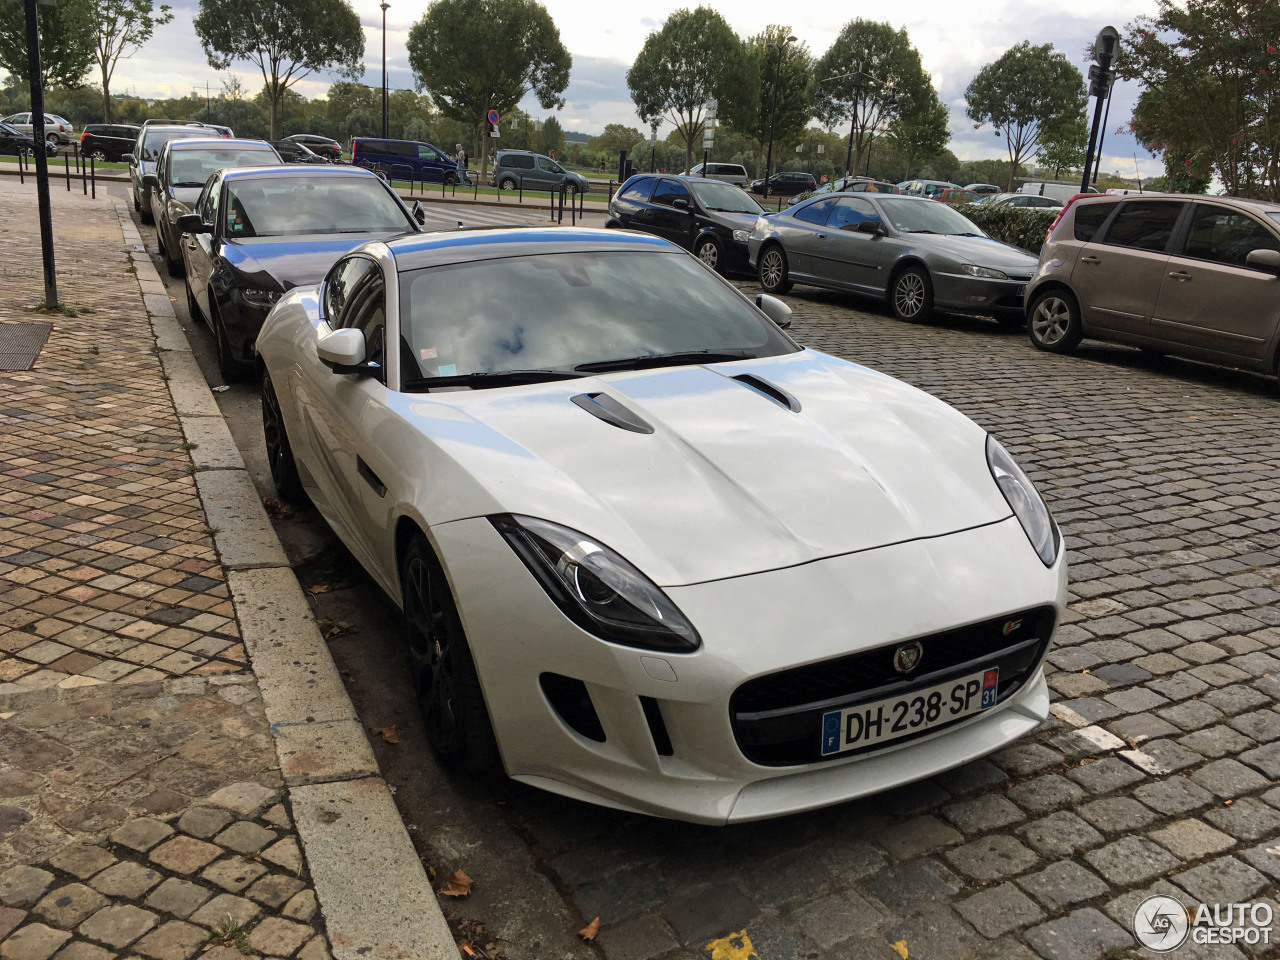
(1188, 275)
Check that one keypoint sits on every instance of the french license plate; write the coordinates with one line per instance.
(871, 723)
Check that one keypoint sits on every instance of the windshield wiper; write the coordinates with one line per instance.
(665, 360)
(487, 378)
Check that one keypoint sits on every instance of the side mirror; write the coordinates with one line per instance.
(873, 227)
(191, 223)
(127, 158)
(774, 309)
(342, 350)
(419, 212)
(1266, 260)
(680, 203)
(151, 180)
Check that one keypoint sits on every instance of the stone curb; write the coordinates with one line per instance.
(376, 899)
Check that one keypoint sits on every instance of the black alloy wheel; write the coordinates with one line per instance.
(440, 663)
(232, 370)
(284, 470)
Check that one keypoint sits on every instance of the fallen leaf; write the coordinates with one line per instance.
(389, 734)
(318, 588)
(458, 885)
(590, 930)
(900, 948)
(332, 628)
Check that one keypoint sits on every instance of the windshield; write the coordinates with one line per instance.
(1274, 215)
(285, 206)
(557, 311)
(191, 168)
(725, 197)
(910, 215)
(157, 138)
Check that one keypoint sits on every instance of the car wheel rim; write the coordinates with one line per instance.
(98, 156)
(909, 295)
(508, 185)
(1050, 320)
(431, 650)
(771, 274)
(709, 254)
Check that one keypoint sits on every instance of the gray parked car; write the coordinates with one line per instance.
(914, 252)
(1198, 277)
(520, 170)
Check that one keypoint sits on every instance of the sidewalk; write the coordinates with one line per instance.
(181, 771)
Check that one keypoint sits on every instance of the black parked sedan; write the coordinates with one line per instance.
(709, 217)
(786, 183)
(15, 143)
(181, 172)
(259, 231)
(291, 151)
(322, 146)
(108, 141)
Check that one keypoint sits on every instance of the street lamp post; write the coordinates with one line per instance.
(385, 118)
(38, 154)
(773, 111)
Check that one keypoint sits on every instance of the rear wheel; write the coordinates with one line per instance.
(708, 251)
(773, 270)
(1053, 322)
(440, 664)
(284, 471)
(145, 209)
(911, 296)
(507, 184)
(98, 156)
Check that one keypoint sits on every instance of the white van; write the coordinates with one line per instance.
(1059, 190)
(734, 173)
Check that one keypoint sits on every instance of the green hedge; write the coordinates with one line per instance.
(1019, 226)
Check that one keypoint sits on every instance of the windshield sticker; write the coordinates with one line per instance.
(447, 370)
(427, 353)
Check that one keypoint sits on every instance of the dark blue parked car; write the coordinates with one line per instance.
(427, 163)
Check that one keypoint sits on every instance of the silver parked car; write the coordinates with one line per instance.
(1194, 276)
(916, 253)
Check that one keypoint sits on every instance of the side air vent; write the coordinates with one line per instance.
(604, 407)
(770, 390)
(571, 700)
(657, 727)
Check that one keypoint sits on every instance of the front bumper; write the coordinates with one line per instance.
(959, 291)
(751, 626)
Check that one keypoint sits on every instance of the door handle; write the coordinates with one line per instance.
(822, 236)
(1180, 275)
(1090, 260)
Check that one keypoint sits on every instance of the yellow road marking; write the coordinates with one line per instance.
(736, 946)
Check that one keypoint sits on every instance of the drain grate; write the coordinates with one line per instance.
(21, 343)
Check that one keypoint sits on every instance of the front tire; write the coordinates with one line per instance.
(193, 308)
(98, 156)
(708, 251)
(773, 270)
(145, 210)
(284, 470)
(911, 296)
(507, 184)
(1053, 322)
(232, 370)
(440, 663)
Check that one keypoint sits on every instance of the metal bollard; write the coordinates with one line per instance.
(22, 177)
(66, 168)
(93, 179)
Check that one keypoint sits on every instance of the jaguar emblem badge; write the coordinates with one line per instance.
(907, 657)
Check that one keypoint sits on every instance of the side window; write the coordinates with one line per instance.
(668, 192)
(1144, 225)
(427, 152)
(366, 311)
(638, 191)
(523, 161)
(851, 211)
(1226, 236)
(208, 201)
(1090, 217)
(816, 212)
(341, 284)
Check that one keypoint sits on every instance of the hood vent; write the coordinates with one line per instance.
(604, 407)
(770, 390)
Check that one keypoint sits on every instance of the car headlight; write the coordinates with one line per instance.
(741, 235)
(266, 299)
(985, 272)
(1025, 501)
(597, 589)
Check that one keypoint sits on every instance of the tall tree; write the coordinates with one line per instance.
(121, 27)
(1022, 93)
(551, 137)
(794, 73)
(1211, 99)
(474, 56)
(922, 128)
(287, 40)
(615, 139)
(694, 58)
(867, 76)
(66, 41)
(1063, 145)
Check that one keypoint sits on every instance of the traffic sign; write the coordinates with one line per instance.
(708, 143)
(1107, 42)
(493, 116)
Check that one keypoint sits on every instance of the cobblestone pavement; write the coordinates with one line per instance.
(141, 809)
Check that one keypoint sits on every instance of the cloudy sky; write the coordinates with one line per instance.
(955, 41)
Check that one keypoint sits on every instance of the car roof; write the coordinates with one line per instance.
(1243, 203)
(190, 143)
(418, 250)
(294, 170)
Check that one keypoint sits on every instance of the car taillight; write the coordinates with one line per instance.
(1063, 212)
(83, 134)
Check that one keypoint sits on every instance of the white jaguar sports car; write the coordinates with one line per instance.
(650, 552)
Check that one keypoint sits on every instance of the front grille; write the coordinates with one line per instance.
(777, 719)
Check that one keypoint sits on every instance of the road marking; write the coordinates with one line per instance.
(736, 946)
